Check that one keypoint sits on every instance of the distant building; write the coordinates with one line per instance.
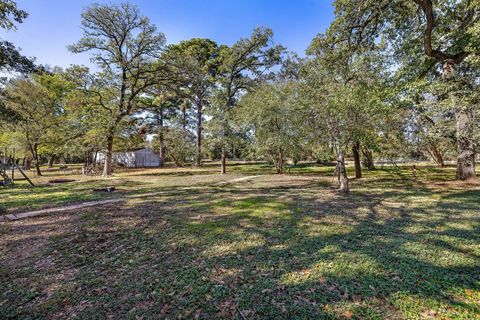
(139, 158)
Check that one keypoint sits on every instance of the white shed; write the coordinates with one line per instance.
(133, 159)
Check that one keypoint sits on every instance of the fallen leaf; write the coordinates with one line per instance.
(348, 314)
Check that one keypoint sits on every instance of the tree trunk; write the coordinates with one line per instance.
(198, 155)
(162, 154)
(278, 166)
(464, 117)
(27, 163)
(177, 162)
(223, 168)
(342, 174)
(184, 118)
(278, 161)
(356, 159)
(465, 147)
(108, 166)
(37, 160)
(436, 154)
(51, 161)
(368, 158)
(161, 139)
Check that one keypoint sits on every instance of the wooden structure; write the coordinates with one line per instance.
(138, 158)
(8, 166)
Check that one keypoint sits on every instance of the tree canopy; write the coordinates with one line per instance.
(387, 81)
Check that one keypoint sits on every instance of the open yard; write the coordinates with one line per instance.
(273, 246)
(219, 168)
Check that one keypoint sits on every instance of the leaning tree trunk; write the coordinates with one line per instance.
(178, 163)
(223, 161)
(368, 158)
(342, 173)
(198, 155)
(108, 166)
(356, 159)
(436, 154)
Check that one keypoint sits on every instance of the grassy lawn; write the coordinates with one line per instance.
(22, 197)
(274, 247)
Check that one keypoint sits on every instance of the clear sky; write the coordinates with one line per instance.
(54, 24)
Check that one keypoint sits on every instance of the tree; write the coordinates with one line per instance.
(348, 84)
(10, 57)
(180, 145)
(277, 120)
(444, 31)
(125, 46)
(241, 66)
(38, 101)
(195, 64)
(329, 108)
(160, 111)
(432, 128)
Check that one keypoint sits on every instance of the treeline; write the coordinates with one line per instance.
(388, 80)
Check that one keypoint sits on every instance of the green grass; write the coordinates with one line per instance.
(22, 197)
(276, 247)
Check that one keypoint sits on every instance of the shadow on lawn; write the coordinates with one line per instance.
(402, 262)
(21, 199)
(298, 251)
(208, 168)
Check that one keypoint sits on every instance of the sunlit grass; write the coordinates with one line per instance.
(276, 247)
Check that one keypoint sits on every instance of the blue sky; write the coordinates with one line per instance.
(54, 24)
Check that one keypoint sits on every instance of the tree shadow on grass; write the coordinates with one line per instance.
(20, 199)
(378, 258)
(292, 251)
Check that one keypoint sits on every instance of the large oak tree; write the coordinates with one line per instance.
(443, 31)
(125, 46)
